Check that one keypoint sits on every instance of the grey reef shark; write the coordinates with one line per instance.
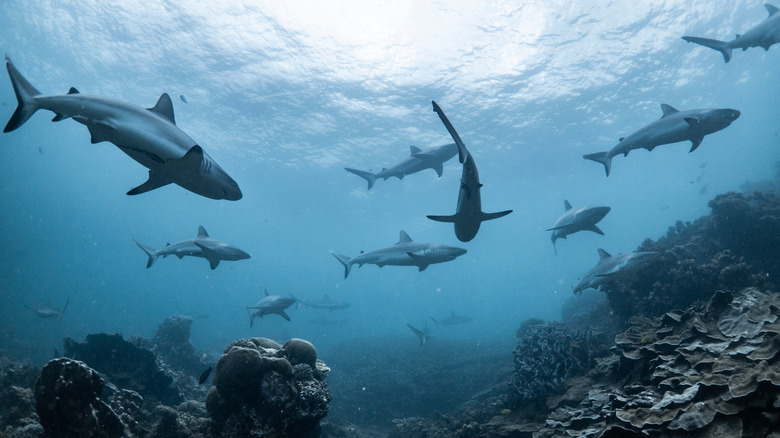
(764, 35)
(148, 135)
(577, 219)
(201, 246)
(419, 160)
(673, 126)
(271, 304)
(468, 215)
(48, 311)
(325, 303)
(451, 319)
(611, 268)
(424, 334)
(404, 253)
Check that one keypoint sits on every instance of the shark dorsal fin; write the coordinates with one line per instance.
(164, 108)
(621, 138)
(566, 205)
(414, 150)
(403, 237)
(265, 291)
(202, 232)
(771, 9)
(667, 109)
(73, 90)
(603, 254)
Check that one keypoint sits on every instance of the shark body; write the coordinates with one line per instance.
(763, 35)
(149, 136)
(673, 126)
(417, 161)
(202, 246)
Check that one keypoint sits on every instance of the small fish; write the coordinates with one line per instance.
(183, 99)
(506, 411)
(204, 376)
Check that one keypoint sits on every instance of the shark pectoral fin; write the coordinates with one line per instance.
(422, 267)
(452, 218)
(439, 169)
(595, 229)
(284, 315)
(491, 216)
(210, 255)
(99, 131)
(58, 117)
(695, 142)
(155, 181)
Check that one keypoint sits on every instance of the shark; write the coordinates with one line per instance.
(326, 303)
(49, 312)
(148, 135)
(404, 253)
(763, 35)
(452, 319)
(611, 268)
(424, 334)
(201, 246)
(577, 219)
(418, 160)
(468, 215)
(673, 126)
(268, 305)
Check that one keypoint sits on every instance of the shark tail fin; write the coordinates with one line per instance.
(149, 252)
(435, 321)
(25, 95)
(346, 261)
(721, 46)
(64, 309)
(601, 157)
(368, 176)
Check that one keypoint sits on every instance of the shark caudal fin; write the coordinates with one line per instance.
(601, 157)
(344, 261)
(25, 95)
(149, 252)
(721, 46)
(368, 176)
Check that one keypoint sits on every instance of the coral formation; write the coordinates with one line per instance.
(67, 400)
(734, 247)
(172, 345)
(126, 366)
(261, 390)
(711, 367)
(546, 356)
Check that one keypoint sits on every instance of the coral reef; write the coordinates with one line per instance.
(711, 369)
(67, 400)
(260, 390)
(172, 345)
(546, 356)
(734, 247)
(126, 366)
(16, 395)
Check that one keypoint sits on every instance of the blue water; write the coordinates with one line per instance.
(284, 97)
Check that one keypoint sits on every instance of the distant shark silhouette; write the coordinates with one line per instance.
(404, 253)
(49, 312)
(325, 303)
(201, 246)
(451, 319)
(149, 136)
(424, 334)
(268, 305)
(577, 219)
(611, 268)
(764, 35)
(468, 214)
(672, 127)
(419, 160)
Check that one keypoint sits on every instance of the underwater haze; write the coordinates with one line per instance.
(285, 95)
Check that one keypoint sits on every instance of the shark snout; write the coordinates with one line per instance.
(457, 252)
(231, 192)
